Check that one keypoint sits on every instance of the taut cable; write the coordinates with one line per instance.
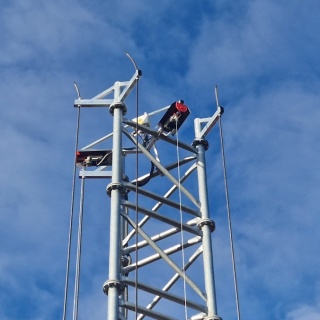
(229, 220)
(66, 288)
(181, 226)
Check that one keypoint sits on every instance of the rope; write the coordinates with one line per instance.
(66, 288)
(181, 226)
(229, 220)
(78, 260)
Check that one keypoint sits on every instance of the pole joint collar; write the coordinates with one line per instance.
(203, 142)
(115, 186)
(118, 105)
(113, 284)
(207, 222)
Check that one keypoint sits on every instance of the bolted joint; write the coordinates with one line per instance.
(203, 142)
(125, 260)
(113, 284)
(118, 105)
(126, 179)
(115, 186)
(207, 222)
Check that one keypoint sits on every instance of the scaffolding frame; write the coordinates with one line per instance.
(132, 247)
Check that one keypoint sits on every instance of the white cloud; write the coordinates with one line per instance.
(46, 28)
(56, 31)
(259, 44)
(304, 312)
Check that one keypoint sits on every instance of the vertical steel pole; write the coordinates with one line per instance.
(206, 225)
(113, 286)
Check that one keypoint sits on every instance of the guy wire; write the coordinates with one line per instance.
(65, 302)
(229, 218)
(181, 225)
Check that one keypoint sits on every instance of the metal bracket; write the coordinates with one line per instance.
(115, 186)
(201, 133)
(119, 105)
(204, 142)
(206, 222)
(113, 284)
(120, 89)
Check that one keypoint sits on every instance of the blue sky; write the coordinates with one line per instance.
(264, 56)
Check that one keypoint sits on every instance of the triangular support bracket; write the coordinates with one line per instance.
(120, 90)
(202, 132)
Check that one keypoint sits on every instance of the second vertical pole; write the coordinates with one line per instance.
(206, 224)
(113, 287)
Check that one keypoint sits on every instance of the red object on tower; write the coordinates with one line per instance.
(174, 117)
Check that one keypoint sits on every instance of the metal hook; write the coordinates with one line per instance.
(216, 94)
(77, 89)
(138, 71)
(133, 62)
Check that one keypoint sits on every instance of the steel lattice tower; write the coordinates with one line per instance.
(160, 248)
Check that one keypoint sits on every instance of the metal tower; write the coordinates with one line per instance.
(160, 248)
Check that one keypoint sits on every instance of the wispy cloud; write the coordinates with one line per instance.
(304, 312)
